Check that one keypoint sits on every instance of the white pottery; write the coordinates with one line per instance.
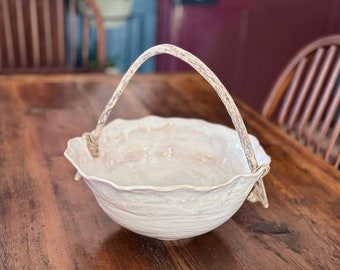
(170, 178)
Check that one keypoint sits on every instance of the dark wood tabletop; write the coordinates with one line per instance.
(50, 221)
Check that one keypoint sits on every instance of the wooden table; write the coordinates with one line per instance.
(49, 221)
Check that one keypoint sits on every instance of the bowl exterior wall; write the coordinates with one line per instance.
(175, 214)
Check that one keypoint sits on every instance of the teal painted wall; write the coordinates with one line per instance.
(126, 42)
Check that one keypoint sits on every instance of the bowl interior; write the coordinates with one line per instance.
(155, 151)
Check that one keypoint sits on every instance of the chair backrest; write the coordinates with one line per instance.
(41, 36)
(305, 98)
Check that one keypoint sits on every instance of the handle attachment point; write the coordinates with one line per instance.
(92, 145)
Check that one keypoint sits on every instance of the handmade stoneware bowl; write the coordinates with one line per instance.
(170, 178)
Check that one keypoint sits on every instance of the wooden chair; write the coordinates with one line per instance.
(305, 98)
(43, 36)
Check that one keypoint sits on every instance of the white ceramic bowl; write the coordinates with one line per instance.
(168, 178)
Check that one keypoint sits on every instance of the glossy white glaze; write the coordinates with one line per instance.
(168, 178)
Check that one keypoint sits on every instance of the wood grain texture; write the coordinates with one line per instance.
(49, 221)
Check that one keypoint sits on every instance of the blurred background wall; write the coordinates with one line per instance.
(130, 29)
(245, 42)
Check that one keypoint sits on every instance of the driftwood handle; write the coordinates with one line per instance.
(93, 138)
